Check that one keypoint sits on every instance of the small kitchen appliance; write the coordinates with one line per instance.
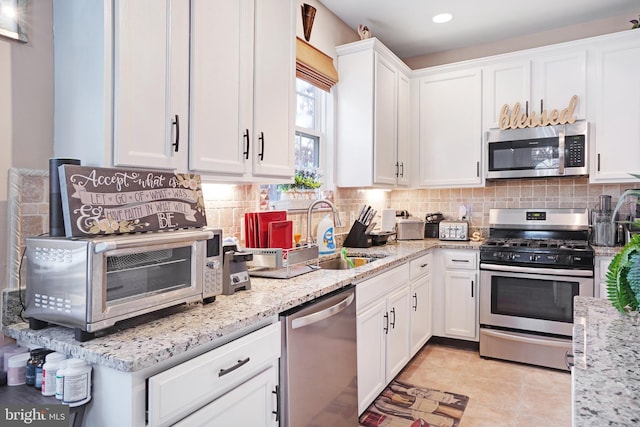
(453, 230)
(603, 229)
(235, 274)
(533, 264)
(90, 284)
(540, 151)
(410, 229)
(431, 224)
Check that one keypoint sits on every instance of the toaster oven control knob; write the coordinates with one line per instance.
(213, 264)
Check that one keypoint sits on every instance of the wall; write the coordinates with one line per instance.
(26, 106)
(574, 32)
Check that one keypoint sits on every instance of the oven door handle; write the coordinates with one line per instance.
(536, 270)
(155, 239)
(524, 340)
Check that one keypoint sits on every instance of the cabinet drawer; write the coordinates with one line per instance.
(379, 286)
(458, 259)
(181, 390)
(420, 266)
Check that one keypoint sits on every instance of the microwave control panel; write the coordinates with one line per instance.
(575, 152)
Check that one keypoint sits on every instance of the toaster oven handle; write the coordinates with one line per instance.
(156, 239)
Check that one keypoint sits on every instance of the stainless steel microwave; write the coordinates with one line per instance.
(543, 151)
(90, 284)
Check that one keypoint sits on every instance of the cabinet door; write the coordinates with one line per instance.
(398, 307)
(221, 86)
(558, 76)
(460, 294)
(450, 132)
(616, 91)
(151, 83)
(420, 313)
(251, 404)
(504, 83)
(385, 129)
(403, 163)
(273, 137)
(371, 326)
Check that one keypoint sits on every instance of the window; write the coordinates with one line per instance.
(308, 121)
(310, 103)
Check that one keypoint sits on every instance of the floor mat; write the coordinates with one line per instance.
(403, 404)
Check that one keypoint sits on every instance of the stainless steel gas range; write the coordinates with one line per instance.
(533, 264)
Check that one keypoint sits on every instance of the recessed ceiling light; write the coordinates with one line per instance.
(441, 18)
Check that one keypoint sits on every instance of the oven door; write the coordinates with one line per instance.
(527, 299)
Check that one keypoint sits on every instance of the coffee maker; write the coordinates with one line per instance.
(235, 276)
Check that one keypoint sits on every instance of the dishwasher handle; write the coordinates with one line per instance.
(323, 314)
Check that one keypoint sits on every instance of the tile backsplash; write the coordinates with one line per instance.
(226, 204)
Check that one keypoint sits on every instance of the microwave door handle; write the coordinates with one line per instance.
(561, 135)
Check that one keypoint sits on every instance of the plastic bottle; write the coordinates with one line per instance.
(76, 386)
(60, 378)
(31, 365)
(17, 369)
(49, 370)
(324, 236)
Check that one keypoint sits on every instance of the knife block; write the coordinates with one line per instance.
(357, 237)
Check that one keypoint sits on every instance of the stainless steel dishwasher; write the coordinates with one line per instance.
(318, 367)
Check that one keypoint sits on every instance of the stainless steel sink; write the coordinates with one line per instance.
(340, 264)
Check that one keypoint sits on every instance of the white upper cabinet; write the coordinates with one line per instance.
(242, 88)
(206, 86)
(450, 127)
(615, 110)
(540, 79)
(372, 117)
(151, 81)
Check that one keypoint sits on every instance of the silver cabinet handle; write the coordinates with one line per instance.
(323, 314)
(415, 297)
(393, 324)
(234, 367)
(386, 327)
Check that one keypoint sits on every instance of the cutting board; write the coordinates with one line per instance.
(263, 219)
(281, 234)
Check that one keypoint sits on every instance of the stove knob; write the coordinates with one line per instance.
(534, 257)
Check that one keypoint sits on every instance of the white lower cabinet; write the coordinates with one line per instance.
(455, 295)
(383, 326)
(420, 302)
(231, 385)
(600, 274)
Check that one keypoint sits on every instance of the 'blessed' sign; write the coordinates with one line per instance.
(517, 119)
(99, 201)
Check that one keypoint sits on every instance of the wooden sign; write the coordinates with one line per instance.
(517, 119)
(103, 201)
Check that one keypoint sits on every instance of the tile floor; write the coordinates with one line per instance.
(501, 394)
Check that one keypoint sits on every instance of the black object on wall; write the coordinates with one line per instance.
(56, 218)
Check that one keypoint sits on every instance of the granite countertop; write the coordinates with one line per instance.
(606, 375)
(186, 327)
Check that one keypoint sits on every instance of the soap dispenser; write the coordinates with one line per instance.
(324, 236)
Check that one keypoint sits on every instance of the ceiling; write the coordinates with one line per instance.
(405, 26)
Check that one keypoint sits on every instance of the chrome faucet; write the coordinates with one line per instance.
(336, 217)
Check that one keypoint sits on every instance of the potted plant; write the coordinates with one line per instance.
(305, 181)
(623, 275)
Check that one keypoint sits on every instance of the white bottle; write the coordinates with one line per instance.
(49, 371)
(60, 378)
(76, 384)
(324, 236)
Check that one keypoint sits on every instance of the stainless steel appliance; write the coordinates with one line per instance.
(318, 370)
(533, 264)
(235, 276)
(453, 230)
(541, 151)
(90, 284)
(410, 229)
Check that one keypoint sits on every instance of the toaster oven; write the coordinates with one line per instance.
(90, 284)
